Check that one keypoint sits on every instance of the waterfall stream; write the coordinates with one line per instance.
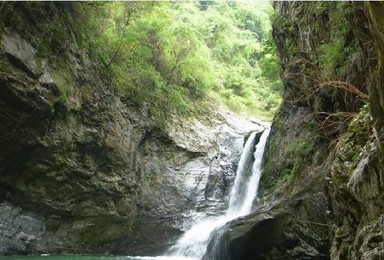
(193, 244)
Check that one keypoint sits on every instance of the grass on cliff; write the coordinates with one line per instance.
(177, 57)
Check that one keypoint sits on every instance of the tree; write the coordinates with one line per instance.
(170, 55)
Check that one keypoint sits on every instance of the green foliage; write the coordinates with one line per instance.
(286, 177)
(298, 150)
(171, 57)
(352, 145)
(295, 153)
(336, 53)
(330, 53)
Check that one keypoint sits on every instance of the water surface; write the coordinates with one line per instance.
(87, 257)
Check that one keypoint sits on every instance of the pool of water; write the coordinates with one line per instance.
(87, 257)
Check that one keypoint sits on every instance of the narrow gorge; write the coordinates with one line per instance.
(122, 127)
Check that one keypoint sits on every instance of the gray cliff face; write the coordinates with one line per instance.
(83, 169)
(356, 176)
(322, 188)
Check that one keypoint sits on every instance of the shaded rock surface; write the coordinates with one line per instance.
(322, 188)
(82, 168)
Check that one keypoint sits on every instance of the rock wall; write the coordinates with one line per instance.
(357, 176)
(322, 188)
(83, 169)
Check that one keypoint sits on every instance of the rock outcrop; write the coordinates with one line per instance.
(322, 188)
(357, 175)
(83, 169)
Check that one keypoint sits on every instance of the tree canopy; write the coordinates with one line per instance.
(180, 56)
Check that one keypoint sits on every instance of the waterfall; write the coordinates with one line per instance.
(240, 207)
(238, 191)
(193, 244)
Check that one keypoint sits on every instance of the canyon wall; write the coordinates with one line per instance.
(322, 188)
(83, 168)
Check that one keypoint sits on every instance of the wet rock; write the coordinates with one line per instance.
(84, 170)
(20, 52)
(319, 197)
(19, 229)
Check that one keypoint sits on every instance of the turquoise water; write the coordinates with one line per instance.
(83, 257)
(67, 257)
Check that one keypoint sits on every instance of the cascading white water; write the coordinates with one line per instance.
(244, 206)
(193, 244)
(238, 191)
